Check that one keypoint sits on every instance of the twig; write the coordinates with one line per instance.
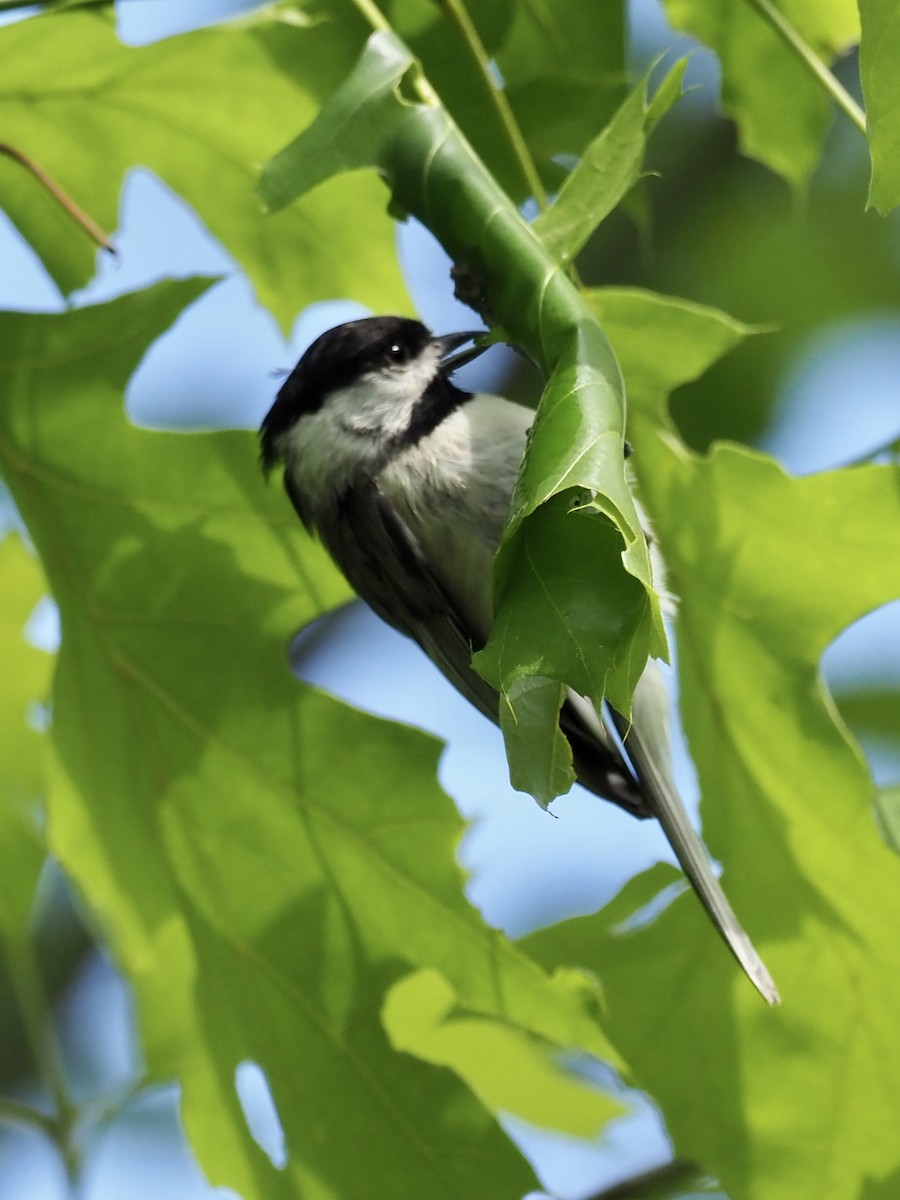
(457, 13)
(62, 198)
(809, 58)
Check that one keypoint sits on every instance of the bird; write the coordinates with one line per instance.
(407, 479)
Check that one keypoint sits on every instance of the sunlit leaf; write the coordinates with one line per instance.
(203, 111)
(511, 1072)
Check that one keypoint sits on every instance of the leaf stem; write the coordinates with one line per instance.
(62, 198)
(457, 14)
(809, 58)
(373, 15)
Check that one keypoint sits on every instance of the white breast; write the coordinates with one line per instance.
(453, 489)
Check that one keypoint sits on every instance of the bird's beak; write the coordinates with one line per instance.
(452, 341)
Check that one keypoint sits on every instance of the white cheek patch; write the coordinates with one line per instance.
(324, 449)
(321, 455)
(382, 402)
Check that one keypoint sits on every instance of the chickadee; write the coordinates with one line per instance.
(407, 480)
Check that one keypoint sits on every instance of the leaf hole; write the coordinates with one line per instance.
(406, 87)
(42, 629)
(647, 913)
(260, 1113)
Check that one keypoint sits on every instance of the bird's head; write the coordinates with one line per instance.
(379, 379)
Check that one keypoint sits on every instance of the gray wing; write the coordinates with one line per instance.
(375, 548)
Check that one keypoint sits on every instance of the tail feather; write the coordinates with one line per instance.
(647, 744)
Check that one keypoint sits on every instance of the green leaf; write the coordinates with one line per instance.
(26, 682)
(878, 55)
(609, 169)
(264, 862)
(540, 757)
(781, 111)
(665, 341)
(577, 438)
(202, 110)
(558, 580)
(509, 1071)
(768, 570)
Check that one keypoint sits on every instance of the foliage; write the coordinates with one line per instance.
(274, 872)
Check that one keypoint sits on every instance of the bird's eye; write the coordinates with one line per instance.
(395, 353)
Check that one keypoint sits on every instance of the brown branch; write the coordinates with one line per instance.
(62, 198)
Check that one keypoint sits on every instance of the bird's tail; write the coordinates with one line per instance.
(646, 740)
